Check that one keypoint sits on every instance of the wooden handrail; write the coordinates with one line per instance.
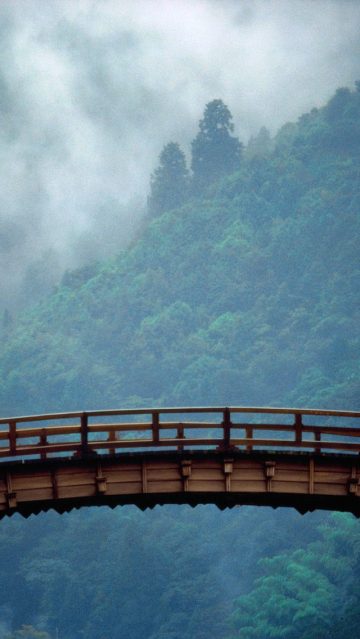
(80, 438)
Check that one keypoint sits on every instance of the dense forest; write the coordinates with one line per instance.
(241, 288)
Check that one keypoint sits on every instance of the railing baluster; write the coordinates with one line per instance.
(298, 427)
(155, 427)
(226, 428)
(321, 442)
(112, 436)
(12, 437)
(84, 429)
(249, 435)
(180, 435)
(43, 442)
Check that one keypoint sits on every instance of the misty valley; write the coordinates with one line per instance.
(237, 285)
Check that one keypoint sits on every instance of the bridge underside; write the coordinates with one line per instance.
(304, 481)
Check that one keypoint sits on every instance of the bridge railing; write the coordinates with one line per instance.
(226, 428)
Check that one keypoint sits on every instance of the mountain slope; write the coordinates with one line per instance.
(247, 296)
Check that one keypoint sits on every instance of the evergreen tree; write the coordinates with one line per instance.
(259, 145)
(215, 152)
(170, 181)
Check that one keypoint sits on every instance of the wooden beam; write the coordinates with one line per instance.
(10, 493)
(84, 434)
(311, 476)
(144, 477)
(12, 437)
(298, 427)
(155, 427)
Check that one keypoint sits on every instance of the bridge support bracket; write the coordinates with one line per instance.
(228, 469)
(270, 473)
(186, 472)
(270, 469)
(101, 484)
(100, 480)
(11, 500)
(353, 484)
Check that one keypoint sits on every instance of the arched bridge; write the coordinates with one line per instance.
(306, 459)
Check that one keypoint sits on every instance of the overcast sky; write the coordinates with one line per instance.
(91, 90)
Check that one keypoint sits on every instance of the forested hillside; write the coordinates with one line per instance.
(246, 294)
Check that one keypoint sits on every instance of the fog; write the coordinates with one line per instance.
(92, 90)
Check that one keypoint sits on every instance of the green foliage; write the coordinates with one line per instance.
(257, 282)
(170, 181)
(28, 632)
(215, 152)
(259, 145)
(247, 295)
(304, 595)
(120, 574)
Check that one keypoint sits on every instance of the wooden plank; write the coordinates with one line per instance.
(163, 475)
(330, 489)
(55, 486)
(248, 486)
(292, 478)
(120, 465)
(207, 474)
(133, 488)
(12, 437)
(158, 464)
(124, 478)
(331, 478)
(77, 492)
(251, 474)
(144, 476)
(204, 486)
(50, 431)
(78, 480)
(183, 410)
(31, 482)
(298, 427)
(292, 489)
(36, 494)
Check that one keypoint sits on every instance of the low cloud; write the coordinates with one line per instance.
(90, 91)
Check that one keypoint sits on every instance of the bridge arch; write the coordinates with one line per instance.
(228, 456)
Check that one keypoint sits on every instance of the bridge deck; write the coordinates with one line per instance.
(257, 461)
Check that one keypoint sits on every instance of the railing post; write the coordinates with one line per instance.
(298, 427)
(249, 435)
(12, 437)
(318, 439)
(111, 437)
(180, 435)
(155, 428)
(226, 427)
(84, 434)
(43, 442)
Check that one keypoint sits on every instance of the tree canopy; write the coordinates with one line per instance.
(250, 296)
(215, 151)
(169, 183)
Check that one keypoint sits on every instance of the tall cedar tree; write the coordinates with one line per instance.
(215, 152)
(169, 183)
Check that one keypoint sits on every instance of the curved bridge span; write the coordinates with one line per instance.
(305, 459)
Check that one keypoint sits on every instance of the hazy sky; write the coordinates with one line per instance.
(91, 90)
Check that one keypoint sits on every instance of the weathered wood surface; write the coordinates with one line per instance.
(304, 481)
(225, 462)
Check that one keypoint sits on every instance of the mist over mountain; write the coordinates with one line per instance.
(246, 294)
(91, 91)
(256, 278)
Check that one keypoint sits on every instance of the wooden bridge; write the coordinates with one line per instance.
(306, 459)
